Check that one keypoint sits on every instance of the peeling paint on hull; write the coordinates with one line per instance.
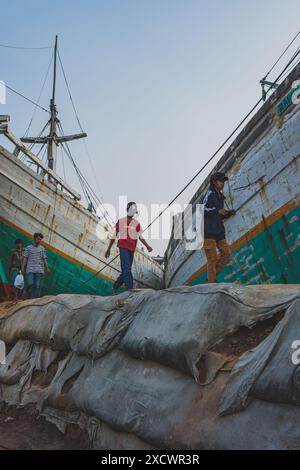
(263, 165)
(75, 239)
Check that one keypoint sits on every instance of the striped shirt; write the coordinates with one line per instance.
(35, 259)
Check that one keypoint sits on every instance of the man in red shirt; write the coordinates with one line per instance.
(128, 231)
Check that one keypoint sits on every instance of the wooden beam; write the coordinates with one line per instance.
(34, 140)
(67, 138)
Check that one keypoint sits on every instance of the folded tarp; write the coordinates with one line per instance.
(269, 371)
(177, 326)
(124, 367)
(174, 327)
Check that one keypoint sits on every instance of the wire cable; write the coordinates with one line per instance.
(39, 97)
(83, 182)
(86, 187)
(106, 264)
(63, 164)
(204, 166)
(27, 99)
(224, 143)
(291, 67)
(69, 91)
(96, 198)
(25, 48)
(95, 178)
(281, 55)
(30, 147)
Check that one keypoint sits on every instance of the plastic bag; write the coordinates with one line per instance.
(19, 282)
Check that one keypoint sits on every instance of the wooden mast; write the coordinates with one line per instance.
(53, 140)
(52, 143)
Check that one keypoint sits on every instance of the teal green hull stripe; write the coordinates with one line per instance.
(65, 276)
(272, 257)
(3, 277)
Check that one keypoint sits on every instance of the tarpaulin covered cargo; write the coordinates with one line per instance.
(145, 369)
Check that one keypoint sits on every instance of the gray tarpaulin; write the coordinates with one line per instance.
(179, 325)
(127, 368)
(267, 371)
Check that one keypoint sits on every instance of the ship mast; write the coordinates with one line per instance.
(53, 140)
(52, 143)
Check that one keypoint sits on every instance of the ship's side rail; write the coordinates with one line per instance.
(20, 147)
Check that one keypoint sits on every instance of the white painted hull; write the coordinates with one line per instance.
(30, 204)
(264, 171)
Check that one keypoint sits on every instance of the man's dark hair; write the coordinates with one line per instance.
(37, 234)
(130, 204)
(19, 240)
(219, 176)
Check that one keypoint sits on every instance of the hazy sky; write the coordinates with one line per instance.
(158, 84)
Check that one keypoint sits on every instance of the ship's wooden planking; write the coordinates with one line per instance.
(75, 239)
(264, 170)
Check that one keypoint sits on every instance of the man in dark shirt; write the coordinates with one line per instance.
(214, 230)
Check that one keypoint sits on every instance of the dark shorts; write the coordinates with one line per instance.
(213, 236)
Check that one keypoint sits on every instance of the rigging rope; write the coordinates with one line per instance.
(224, 143)
(39, 97)
(96, 198)
(281, 55)
(65, 147)
(25, 98)
(63, 163)
(95, 178)
(204, 166)
(292, 66)
(30, 147)
(69, 91)
(87, 189)
(83, 182)
(82, 179)
(25, 48)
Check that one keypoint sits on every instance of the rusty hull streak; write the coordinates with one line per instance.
(262, 191)
(261, 146)
(80, 238)
(59, 202)
(47, 212)
(41, 187)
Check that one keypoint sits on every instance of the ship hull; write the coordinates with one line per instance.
(67, 275)
(271, 257)
(263, 166)
(75, 239)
